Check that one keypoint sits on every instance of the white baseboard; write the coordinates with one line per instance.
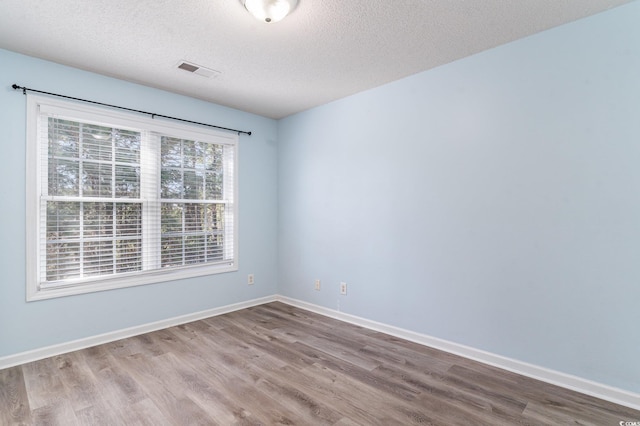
(568, 381)
(41, 353)
(588, 387)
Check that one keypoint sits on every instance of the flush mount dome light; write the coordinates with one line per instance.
(269, 10)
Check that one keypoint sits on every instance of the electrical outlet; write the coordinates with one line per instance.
(250, 279)
(343, 289)
(317, 285)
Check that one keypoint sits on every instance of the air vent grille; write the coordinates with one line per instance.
(188, 67)
(198, 69)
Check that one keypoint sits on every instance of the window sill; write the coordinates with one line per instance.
(34, 292)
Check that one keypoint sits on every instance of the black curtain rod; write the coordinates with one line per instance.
(153, 115)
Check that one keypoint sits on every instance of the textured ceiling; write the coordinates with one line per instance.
(325, 50)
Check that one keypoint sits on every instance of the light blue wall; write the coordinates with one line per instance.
(493, 201)
(25, 326)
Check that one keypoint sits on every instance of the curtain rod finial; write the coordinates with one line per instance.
(16, 87)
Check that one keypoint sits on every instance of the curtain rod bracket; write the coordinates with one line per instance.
(153, 115)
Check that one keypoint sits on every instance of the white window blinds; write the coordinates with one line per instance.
(122, 200)
(193, 201)
(91, 209)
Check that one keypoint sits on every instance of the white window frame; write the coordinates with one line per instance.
(75, 111)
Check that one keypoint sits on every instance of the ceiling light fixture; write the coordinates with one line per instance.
(269, 10)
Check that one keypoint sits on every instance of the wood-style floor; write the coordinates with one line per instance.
(276, 364)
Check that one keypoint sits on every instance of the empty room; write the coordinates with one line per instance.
(320, 212)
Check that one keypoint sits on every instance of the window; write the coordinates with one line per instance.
(116, 200)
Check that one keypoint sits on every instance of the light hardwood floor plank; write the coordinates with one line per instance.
(14, 402)
(59, 413)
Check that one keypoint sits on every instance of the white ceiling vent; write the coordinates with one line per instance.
(198, 69)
